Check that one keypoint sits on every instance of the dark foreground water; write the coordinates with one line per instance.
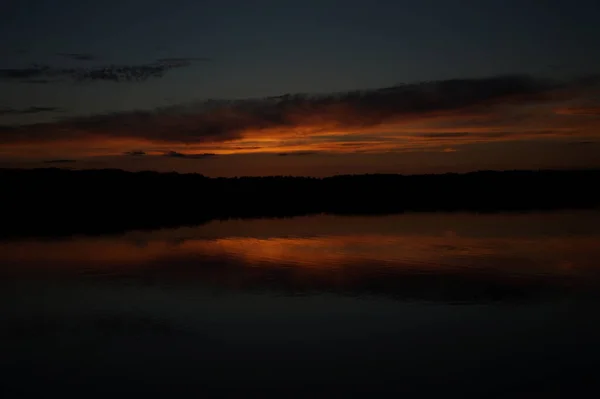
(429, 305)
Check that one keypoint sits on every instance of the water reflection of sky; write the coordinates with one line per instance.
(399, 252)
(319, 306)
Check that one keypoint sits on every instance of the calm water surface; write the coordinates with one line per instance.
(502, 305)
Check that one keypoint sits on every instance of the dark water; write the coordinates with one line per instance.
(428, 305)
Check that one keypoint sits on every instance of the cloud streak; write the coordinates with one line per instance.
(111, 73)
(590, 111)
(410, 116)
(28, 111)
(297, 153)
(175, 154)
(77, 56)
(53, 161)
(134, 153)
(183, 60)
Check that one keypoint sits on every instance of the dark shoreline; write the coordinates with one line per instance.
(57, 202)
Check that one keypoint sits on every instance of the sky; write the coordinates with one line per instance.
(232, 87)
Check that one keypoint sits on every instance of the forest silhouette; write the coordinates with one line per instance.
(57, 202)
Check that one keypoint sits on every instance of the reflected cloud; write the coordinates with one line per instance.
(445, 266)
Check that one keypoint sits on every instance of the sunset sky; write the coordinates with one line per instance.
(321, 87)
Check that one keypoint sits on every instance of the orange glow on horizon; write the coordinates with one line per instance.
(334, 129)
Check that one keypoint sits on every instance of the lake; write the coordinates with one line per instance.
(422, 304)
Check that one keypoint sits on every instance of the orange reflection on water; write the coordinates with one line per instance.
(549, 255)
(80, 252)
(554, 255)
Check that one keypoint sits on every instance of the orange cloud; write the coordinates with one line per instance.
(325, 253)
(422, 116)
(592, 111)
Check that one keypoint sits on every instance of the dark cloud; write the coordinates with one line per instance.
(297, 153)
(246, 148)
(219, 121)
(182, 59)
(33, 72)
(175, 154)
(445, 135)
(356, 144)
(77, 56)
(457, 136)
(37, 81)
(60, 161)
(27, 111)
(134, 153)
(114, 73)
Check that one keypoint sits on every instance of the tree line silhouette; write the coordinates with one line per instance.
(54, 202)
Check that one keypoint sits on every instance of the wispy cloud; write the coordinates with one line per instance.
(442, 114)
(36, 71)
(27, 111)
(36, 81)
(134, 153)
(184, 60)
(175, 154)
(60, 161)
(452, 135)
(297, 153)
(77, 56)
(591, 111)
(113, 73)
